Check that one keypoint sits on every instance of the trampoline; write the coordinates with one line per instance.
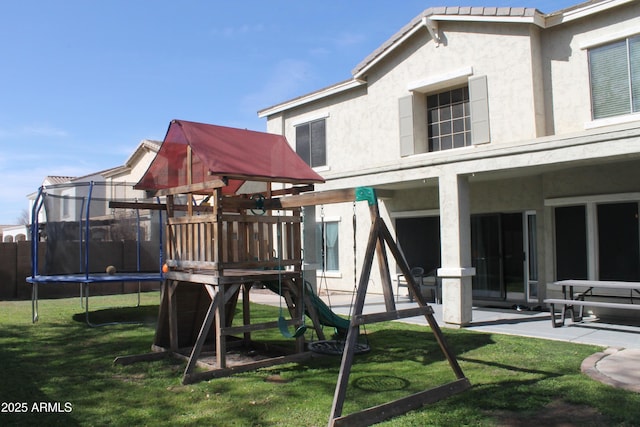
(77, 235)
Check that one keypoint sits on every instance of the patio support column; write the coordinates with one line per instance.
(310, 264)
(455, 230)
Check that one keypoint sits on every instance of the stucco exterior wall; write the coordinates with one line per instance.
(362, 125)
(517, 194)
(543, 142)
(592, 180)
(565, 55)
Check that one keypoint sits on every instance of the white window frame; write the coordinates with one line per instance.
(413, 130)
(591, 204)
(624, 117)
(329, 273)
(307, 120)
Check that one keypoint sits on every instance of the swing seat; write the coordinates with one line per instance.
(336, 347)
(284, 329)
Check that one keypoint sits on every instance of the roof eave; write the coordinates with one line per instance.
(302, 100)
(118, 170)
(145, 144)
(581, 10)
(535, 18)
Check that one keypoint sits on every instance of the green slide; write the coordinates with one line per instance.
(325, 315)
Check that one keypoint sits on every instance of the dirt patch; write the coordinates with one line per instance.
(233, 358)
(556, 414)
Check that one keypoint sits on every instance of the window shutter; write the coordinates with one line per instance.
(318, 144)
(405, 108)
(303, 143)
(479, 105)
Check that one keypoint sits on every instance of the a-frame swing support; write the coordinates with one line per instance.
(379, 236)
(379, 239)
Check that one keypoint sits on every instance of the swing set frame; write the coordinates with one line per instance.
(202, 256)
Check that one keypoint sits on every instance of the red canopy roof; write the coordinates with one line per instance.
(217, 151)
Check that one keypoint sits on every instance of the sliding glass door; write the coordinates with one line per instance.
(618, 242)
(503, 252)
(598, 241)
(419, 239)
(486, 257)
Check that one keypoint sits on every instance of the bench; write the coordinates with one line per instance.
(569, 303)
(571, 298)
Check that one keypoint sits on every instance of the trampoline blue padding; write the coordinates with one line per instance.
(96, 278)
(85, 280)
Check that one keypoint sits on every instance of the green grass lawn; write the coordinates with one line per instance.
(67, 367)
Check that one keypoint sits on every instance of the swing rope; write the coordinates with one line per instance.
(323, 254)
(354, 224)
(323, 274)
(282, 322)
(335, 347)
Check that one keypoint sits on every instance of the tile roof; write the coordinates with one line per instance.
(479, 11)
(527, 15)
(448, 11)
(57, 179)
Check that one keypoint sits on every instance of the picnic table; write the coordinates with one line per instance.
(581, 293)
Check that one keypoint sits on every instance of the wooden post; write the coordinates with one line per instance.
(189, 180)
(383, 262)
(173, 314)
(298, 282)
(352, 335)
(221, 340)
(218, 238)
(246, 311)
(204, 329)
(171, 238)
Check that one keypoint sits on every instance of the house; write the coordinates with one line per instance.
(113, 183)
(506, 144)
(13, 233)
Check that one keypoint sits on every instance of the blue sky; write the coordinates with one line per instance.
(83, 82)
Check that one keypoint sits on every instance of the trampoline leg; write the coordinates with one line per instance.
(34, 302)
(86, 302)
(84, 292)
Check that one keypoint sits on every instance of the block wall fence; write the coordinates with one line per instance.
(15, 267)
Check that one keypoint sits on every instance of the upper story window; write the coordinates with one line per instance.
(311, 143)
(449, 119)
(445, 114)
(614, 72)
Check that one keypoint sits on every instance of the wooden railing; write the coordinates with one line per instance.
(236, 241)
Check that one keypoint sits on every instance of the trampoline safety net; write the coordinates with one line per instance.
(82, 233)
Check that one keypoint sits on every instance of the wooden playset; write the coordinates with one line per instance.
(221, 242)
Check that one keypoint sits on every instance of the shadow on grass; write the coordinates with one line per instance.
(392, 345)
(512, 368)
(145, 314)
(401, 362)
(380, 383)
(66, 369)
(23, 400)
